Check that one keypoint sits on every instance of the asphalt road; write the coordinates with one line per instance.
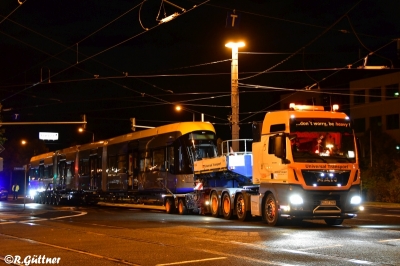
(123, 236)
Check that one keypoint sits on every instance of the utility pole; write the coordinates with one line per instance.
(235, 93)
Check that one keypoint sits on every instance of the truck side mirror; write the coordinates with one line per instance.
(280, 146)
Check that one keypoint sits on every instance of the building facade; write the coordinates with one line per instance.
(375, 104)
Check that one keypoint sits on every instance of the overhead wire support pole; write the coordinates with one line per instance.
(235, 93)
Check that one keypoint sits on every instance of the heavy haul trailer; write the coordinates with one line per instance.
(304, 166)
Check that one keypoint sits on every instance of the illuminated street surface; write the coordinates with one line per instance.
(120, 236)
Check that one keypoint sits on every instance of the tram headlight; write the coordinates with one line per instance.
(355, 200)
(296, 200)
(32, 193)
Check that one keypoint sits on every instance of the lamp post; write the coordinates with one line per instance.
(235, 92)
(84, 130)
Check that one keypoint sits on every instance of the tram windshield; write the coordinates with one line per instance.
(202, 145)
(322, 141)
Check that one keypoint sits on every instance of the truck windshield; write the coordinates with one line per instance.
(322, 140)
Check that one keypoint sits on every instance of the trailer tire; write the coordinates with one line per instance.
(41, 199)
(169, 206)
(56, 200)
(242, 213)
(227, 211)
(214, 206)
(271, 213)
(182, 207)
(333, 221)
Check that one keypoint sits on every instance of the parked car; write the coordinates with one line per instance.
(3, 193)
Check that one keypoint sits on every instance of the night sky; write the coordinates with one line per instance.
(113, 60)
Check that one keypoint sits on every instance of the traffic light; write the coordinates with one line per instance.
(133, 124)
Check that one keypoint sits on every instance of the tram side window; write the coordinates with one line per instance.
(122, 164)
(46, 171)
(112, 164)
(84, 167)
(68, 173)
(145, 163)
(34, 173)
(158, 159)
(170, 160)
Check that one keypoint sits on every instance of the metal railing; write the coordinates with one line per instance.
(244, 147)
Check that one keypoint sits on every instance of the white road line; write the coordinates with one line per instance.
(388, 240)
(43, 219)
(320, 247)
(70, 249)
(190, 261)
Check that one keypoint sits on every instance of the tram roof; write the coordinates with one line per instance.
(182, 128)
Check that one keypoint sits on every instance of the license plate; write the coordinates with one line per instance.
(328, 202)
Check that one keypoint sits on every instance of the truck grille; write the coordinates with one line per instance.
(325, 178)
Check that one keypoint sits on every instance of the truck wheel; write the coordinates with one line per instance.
(271, 212)
(242, 213)
(182, 207)
(333, 221)
(226, 206)
(169, 206)
(214, 205)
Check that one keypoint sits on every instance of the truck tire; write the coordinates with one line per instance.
(182, 207)
(214, 206)
(169, 206)
(271, 212)
(227, 211)
(333, 221)
(242, 213)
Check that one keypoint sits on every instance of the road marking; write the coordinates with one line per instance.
(70, 249)
(190, 261)
(43, 219)
(386, 215)
(321, 247)
(388, 240)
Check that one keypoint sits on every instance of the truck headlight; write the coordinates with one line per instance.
(296, 200)
(355, 200)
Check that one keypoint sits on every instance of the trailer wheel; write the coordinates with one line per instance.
(169, 206)
(242, 213)
(214, 205)
(182, 207)
(56, 200)
(271, 211)
(41, 199)
(227, 211)
(333, 221)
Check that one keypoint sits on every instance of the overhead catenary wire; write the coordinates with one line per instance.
(98, 53)
(308, 44)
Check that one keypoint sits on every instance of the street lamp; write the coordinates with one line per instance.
(179, 108)
(235, 92)
(84, 130)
